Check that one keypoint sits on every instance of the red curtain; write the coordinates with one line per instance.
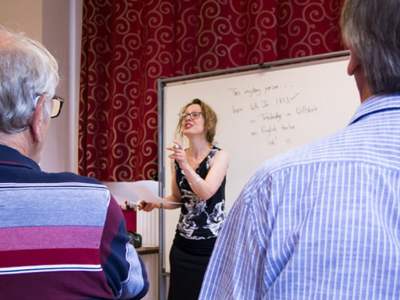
(128, 44)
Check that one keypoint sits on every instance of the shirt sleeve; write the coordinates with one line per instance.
(236, 268)
(125, 271)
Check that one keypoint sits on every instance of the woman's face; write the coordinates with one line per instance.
(192, 120)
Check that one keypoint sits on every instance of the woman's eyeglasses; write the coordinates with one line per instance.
(193, 115)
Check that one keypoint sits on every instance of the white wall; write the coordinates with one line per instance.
(22, 15)
(53, 22)
(61, 35)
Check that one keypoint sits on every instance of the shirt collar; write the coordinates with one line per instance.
(375, 104)
(10, 156)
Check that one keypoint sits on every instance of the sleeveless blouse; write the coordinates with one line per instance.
(199, 219)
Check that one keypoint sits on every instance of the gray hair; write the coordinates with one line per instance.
(372, 29)
(27, 70)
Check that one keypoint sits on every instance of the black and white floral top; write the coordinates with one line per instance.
(200, 220)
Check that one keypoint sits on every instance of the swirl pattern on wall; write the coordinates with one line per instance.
(128, 44)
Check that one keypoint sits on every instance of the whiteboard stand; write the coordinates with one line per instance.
(162, 279)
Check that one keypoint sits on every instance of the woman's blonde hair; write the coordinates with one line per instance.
(210, 119)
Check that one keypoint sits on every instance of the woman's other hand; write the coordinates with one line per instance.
(147, 206)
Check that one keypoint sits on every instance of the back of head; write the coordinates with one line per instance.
(27, 70)
(372, 29)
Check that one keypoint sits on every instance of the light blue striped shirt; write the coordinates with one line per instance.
(321, 222)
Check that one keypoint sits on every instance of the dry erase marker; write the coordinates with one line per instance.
(176, 146)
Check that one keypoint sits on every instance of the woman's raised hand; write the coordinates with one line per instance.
(178, 154)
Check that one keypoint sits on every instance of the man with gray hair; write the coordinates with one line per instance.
(323, 221)
(62, 236)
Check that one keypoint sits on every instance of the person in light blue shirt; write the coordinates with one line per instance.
(323, 221)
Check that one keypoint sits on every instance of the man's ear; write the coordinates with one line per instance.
(37, 121)
(354, 63)
(355, 68)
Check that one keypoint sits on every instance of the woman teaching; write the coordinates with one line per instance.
(198, 182)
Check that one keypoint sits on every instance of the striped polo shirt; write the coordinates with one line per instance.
(62, 236)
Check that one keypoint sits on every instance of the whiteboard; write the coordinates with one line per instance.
(261, 113)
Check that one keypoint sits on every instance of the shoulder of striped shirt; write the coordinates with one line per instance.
(52, 267)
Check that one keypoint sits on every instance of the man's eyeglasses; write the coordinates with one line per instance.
(193, 115)
(56, 105)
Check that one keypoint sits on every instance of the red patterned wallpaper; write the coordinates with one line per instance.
(128, 44)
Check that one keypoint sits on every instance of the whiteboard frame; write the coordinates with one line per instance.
(161, 84)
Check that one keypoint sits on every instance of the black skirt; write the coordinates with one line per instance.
(188, 262)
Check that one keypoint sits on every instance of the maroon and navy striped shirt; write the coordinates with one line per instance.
(62, 236)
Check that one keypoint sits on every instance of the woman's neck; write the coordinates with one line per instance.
(198, 148)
